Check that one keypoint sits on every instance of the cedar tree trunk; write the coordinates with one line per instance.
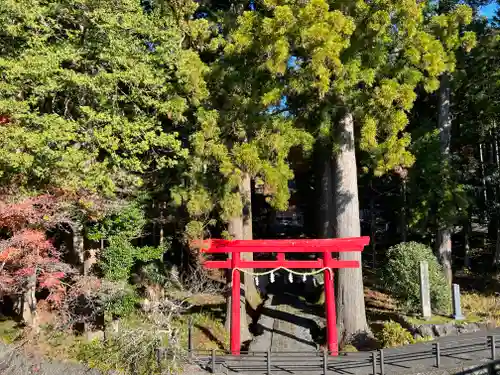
(351, 315)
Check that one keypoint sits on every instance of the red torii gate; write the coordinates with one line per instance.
(281, 247)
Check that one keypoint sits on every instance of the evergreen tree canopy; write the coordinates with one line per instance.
(364, 57)
(93, 92)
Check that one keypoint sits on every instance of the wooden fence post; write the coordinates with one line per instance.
(493, 347)
(158, 359)
(381, 358)
(325, 362)
(190, 337)
(438, 354)
(213, 361)
(374, 363)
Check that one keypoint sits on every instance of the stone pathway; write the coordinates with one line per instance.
(286, 326)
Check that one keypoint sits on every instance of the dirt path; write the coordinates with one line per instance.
(14, 362)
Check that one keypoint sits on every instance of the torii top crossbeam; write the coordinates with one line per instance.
(288, 246)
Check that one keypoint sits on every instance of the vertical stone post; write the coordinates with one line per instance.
(457, 308)
(425, 291)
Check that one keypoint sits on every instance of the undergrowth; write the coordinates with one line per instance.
(394, 335)
(133, 349)
(482, 307)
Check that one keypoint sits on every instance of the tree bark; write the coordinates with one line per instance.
(351, 315)
(29, 312)
(251, 293)
(240, 227)
(403, 223)
(496, 260)
(373, 228)
(466, 232)
(443, 237)
(443, 242)
(79, 245)
(326, 213)
(90, 261)
(483, 175)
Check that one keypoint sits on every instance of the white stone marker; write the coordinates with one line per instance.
(457, 308)
(425, 291)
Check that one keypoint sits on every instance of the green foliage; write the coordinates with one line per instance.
(94, 92)
(118, 259)
(437, 194)
(122, 305)
(10, 331)
(116, 299)
(344, 59)
(154, 273)
(127, 222)
(349, 349)
(424, 339)
(401, 276)
(476, 112)
(112, 355)
(222, 157)
(393, 334)
(132, 350)
(119, 229)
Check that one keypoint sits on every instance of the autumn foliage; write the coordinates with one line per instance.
(28, 259)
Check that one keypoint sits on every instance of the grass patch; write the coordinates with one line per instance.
(435, 319)
(476, 307)
(209, 331)
(349, 349)
(10, 331)
(441, 319)
(58, 345)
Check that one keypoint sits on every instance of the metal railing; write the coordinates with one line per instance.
(319, 362)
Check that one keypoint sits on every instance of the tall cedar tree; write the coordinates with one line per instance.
(238, 144)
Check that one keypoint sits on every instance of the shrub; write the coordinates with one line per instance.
(29, 260)
(128, 222)
(119, 354)
(401, 277)
(119, 228)
(117, 260)
(132, 351)
(89, 299)
(349, 349)
(393, 334)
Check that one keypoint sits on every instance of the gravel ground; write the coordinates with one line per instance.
(14, 362)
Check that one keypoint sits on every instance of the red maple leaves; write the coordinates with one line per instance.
(4, 119)
(32, 212)
(27, 258)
